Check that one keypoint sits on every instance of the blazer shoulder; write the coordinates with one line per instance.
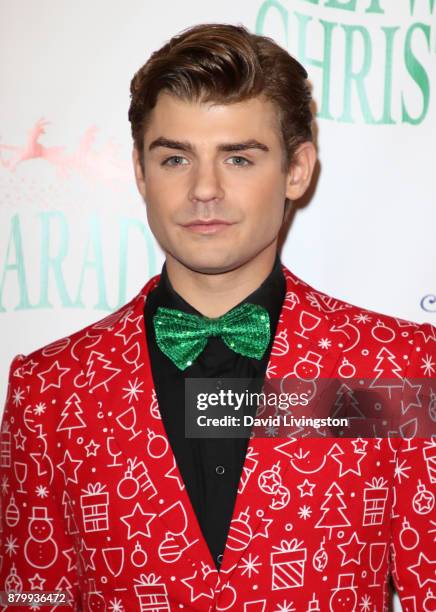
(339, 309)
(64, 350)
(359, 327)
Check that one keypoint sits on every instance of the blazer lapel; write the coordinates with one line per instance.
(116, 366)
(114, 357)
(295, 354)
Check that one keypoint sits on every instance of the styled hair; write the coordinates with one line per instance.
(224, 64)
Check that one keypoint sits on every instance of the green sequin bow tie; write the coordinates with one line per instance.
(182, 337)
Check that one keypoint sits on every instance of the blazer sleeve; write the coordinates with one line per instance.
(413, 516)
(37, 552)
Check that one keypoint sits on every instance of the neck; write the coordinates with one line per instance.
(215, 294)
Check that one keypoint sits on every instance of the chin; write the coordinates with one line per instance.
(207, 264)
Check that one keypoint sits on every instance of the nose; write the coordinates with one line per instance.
(206, 183)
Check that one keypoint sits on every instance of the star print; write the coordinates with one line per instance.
(29, 367)
(270, 478)
(69, 462)
(424, 575)
(306, 488)
(416, 404)
(426, 504)
(264, 532)
(281, 498)
(359, 445)
(54, 372)
(349, 462)
(87, 555)
(71, 555)
(138, 517)
(91, 448)
(127, 322)
(37, 583)
(348, 548)
(19, 439)
(198, 583)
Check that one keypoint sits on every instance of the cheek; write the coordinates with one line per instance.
(267, 192)
(267, 214)
(159, 203)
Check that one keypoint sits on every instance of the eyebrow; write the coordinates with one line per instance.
(226, 147)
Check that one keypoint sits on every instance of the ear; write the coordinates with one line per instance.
(300, 170)
(139, 175)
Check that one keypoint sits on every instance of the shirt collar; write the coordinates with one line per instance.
(270, 294)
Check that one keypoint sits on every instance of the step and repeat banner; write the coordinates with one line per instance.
(74, 241)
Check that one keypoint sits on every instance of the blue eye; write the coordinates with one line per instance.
(240, 161)
(174, 160)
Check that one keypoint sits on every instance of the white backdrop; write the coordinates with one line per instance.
(74, 243)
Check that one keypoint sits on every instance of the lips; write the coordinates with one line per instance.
(210, 226)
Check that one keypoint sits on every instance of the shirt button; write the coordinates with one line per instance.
(219, 558)
(219, 469)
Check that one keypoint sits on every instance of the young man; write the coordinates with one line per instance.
(103, 494)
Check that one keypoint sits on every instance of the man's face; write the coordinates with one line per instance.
(222, 163)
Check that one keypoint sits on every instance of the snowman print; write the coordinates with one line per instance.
(40, 549)
(344, 596)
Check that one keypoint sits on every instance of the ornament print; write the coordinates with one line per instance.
(93, 503)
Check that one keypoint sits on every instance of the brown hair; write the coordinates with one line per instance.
(223, 63)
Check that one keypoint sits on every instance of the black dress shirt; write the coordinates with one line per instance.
(211, 468)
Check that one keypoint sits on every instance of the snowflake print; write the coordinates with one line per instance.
(133, 389)
(304, 512)
(116, 605)
(362, 318)
(41, 491)
(324, 343)
(428, 365)
(17, 396)
(365, 603)
(11, 545)
(285, 607)
(39, 408)
(4, 485)
(401, 470)
(250, 564)
(271, 431)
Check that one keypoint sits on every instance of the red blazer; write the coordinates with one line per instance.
(93, 502)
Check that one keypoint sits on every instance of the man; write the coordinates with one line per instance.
(104, 497)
